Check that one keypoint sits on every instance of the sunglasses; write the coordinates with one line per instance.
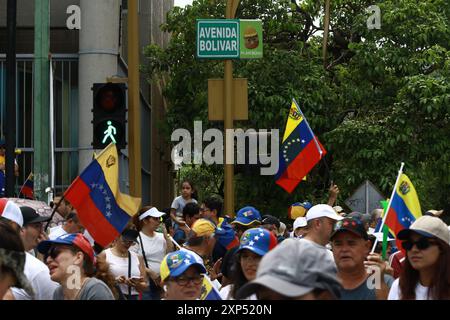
(54, 252)
(421, 244)
(183, 280)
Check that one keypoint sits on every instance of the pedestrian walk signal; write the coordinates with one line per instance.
(110, 112)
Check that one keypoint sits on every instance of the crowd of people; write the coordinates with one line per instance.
(193, 251)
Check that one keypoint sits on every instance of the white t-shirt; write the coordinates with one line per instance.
(421, 291)
(119, 267)
(38, 275)
(154, 247)
(56, 232)
(225, 293)
(179, 203)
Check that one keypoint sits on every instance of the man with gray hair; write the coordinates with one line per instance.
(294, 270)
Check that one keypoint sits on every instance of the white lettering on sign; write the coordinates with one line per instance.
(211, 45)
(74, 20)
(218, 33)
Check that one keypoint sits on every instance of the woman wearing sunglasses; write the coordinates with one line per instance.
(182, 275)
(126, 266)
(72, 263)
(426, 272)
(254, 244)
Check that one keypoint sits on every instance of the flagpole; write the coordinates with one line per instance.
(20, 191)
(389, 205)
(315, 140)
(53, 213)
(52, 128)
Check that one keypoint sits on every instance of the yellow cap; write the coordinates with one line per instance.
(203, 227)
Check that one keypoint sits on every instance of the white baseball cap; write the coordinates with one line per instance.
(300, 222)
(427, 226)
(12, 212)
(153, 212)
(322, 210)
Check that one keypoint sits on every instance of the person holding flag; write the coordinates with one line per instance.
(300, 150)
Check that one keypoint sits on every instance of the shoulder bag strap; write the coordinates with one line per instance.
(129, 272)
(142, 249)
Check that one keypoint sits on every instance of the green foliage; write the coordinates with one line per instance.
(383, 98)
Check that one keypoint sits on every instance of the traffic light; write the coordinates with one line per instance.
(109, 115)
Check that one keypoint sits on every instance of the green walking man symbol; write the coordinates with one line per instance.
(110, 132)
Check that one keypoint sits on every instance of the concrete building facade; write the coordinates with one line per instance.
(96, 51)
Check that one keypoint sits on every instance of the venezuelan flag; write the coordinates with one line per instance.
(209, 292)
(405, 207)
(103, 210)
(300, 150)
(27, 190)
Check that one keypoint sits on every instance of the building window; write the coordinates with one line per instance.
(65, 97)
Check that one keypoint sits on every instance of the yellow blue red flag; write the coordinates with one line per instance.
(103, 210)
(299, 152)
(405, 207)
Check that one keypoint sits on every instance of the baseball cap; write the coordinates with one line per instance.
(306, 266)
(322, 210)
(130, 235)
(30, 216)
(338, 209)
(298, 209)
(11, 211)
(72, 239)
(226, 236)
(352, 225)
(247, 215)
(268, 219)
(300, 222)
(176, 263)
(364, 217)
(203, 227)
(258, 240)
(427, 226)
(434, 213)
(153, 212)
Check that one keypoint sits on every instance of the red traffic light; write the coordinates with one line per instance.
(110, 97)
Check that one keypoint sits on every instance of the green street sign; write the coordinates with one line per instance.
(218, 39)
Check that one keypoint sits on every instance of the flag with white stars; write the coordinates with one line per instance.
(300, 150)
(103, 210)
(405, 207)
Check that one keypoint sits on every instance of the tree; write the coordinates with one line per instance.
(383, 97)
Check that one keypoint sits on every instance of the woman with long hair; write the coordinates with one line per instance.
(72, 263)
(127, 267)
(152, 246)
(254, 244)
(426, 271)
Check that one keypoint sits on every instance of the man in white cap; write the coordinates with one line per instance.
(300, 228)
(320, 220)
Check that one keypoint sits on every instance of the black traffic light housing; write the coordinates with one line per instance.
(110, 113)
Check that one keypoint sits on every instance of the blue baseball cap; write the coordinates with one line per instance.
(226, 236)
(72, 239)
(258, 240)
(247, 216)
(176, 263)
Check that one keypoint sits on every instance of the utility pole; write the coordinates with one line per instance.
(11, 21)
(228, 119)
(134, 107)
(41, 163)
